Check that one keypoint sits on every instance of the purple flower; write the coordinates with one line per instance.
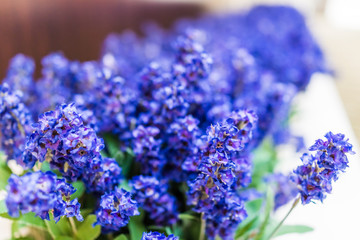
(152, 196)
(15, 121)
(115, 210)
(314, 178)
(40, 192)
(61, 138)
(102, 175)
(20, 76)
(157, 236)
(224, 167)
(146, 149)
(225, 217)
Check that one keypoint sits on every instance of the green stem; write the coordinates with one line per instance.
(297, 200)
(202, 227)
(73, 226)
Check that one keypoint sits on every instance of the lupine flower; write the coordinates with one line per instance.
(152, 196)
(40, 193)
(15, 121)
(115, 210)
(157, 236)
(314, 178)
(61, 138)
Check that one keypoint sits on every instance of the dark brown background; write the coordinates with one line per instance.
(77, 28)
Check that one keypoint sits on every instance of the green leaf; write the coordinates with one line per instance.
(45, 166)
(86, 231)
(4, 176)
(265, 160)
(121, 237)
(80, 189)
(3, 208)
(286, 229)
(185, 216)
(85, 212)
(136, 226)
(125, 185)
(268, 209)
(253, 207)
(63, 238)
(245, 228)
(61, 228)
(123, 159)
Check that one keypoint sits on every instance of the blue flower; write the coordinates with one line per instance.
(15, 123)
(146, 149)
(40, 193)
(152, 196)
(157, 236)
(61, 138)
(20, 76)
(314, 178)
(102, 175)
(115, 210)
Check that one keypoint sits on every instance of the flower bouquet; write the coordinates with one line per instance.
(171, 135)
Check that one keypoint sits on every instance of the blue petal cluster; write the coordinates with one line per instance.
(314, 178)
(182, 150)
(20, 76)
(116, 208)
(223, 160)
(152, 196)
(146, 149)
(102, 175)
(40, 193)
(157, 236)
(61, 138)
(15, 123)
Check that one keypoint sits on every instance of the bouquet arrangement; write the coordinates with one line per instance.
(171, 135)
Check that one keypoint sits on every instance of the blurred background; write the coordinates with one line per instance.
(77, 28)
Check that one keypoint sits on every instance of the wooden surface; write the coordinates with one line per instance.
(77, 28)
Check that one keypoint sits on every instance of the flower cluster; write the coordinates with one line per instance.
(101, 175)
(191, 106)
(152, 196)
(213, 191)
(15, 121)
(157, 236)
(61, 138)
(146, 149)
(115, 210)
(40, 193)
(20, 76)
(314, 178)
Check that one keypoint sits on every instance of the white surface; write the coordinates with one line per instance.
(320, 111)
(344, 13)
